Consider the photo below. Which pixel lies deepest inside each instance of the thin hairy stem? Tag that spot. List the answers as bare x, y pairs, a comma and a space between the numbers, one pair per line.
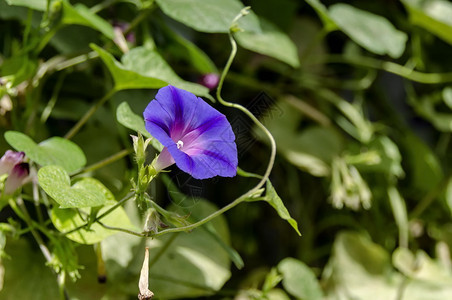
250, 115
258, 123
106, 161
88, 114
119, 203
403, 71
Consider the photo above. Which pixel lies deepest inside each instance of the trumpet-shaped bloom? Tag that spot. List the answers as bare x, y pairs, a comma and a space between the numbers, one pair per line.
195, 136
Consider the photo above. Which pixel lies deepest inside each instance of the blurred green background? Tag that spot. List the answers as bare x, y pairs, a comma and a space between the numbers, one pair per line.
357, 95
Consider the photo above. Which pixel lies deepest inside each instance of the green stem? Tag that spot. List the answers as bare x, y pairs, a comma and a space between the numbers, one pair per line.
408, 73
163, 249
121, 229
251, 116
119, 203
76, 60
51, 104
21, 210
258, 123
106, 161
429, 198
89, 113
102, 5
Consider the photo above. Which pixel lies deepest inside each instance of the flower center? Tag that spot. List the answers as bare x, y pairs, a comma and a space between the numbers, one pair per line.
179, 144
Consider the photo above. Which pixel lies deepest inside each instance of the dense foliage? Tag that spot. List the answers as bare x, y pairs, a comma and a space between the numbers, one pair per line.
356, 95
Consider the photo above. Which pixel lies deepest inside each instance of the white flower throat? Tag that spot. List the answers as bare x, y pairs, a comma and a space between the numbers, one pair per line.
179, 144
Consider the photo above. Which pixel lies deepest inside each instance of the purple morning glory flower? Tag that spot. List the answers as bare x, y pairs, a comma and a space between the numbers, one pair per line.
195, 136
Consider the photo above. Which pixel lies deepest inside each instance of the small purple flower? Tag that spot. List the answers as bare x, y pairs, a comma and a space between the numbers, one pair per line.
209, 80
16, 178
195, 136
9, 160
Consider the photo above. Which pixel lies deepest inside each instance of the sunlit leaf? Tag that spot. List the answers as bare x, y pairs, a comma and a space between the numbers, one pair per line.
53, 151
299, 280
86, 192
270, 41
373, 32
432, 15
359, 269
129, 119
195, 264
144, 68
321, 10
39, 5
208, 15
81, 15
66, 220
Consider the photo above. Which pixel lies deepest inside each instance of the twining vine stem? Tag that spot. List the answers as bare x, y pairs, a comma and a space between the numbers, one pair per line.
254, 119
222, 210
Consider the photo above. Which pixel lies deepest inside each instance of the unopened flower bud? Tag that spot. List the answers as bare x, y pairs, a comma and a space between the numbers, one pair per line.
9, 160
209, 80
16, 178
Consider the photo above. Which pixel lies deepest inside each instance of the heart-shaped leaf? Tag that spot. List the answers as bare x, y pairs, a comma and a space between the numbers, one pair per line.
373, 32
66, 220
143, 68
129, 119
53, 151
271, 41
87, 192
208, 15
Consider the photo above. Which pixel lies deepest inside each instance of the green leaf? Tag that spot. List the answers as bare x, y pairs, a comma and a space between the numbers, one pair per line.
149, 63
276, 202
184, 48
208, 15
87, 192
184, 202
17, 69
387, 157
421, 267
270, 41
195, 264
311, 150
299, 280
125, 78
399, 211
26, 274
129, 119
66, 220
426, 172
40, 5
433, 15
81, 15
359, 269
373, 32
144, 68
321, 10
53, 151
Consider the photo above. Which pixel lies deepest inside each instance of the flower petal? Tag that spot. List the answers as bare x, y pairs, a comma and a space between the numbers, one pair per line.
218, 158
198, 137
